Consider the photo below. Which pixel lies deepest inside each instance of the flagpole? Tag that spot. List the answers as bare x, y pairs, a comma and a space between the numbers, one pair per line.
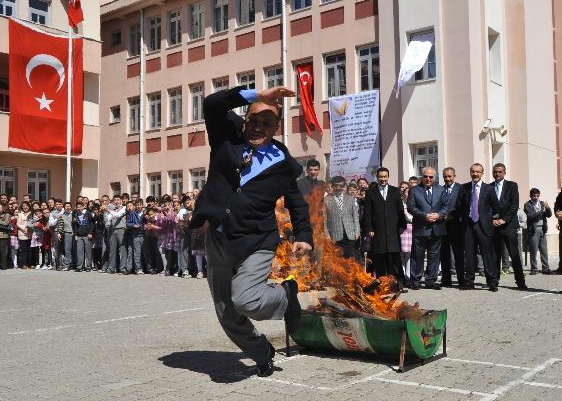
285, 72
69, 124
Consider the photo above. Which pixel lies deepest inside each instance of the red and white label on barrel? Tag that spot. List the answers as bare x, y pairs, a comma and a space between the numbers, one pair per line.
346, 334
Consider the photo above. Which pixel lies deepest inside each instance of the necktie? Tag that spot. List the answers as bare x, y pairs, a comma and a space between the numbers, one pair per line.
340, 202
498, 190
384, 192
448, 189
246, 160
474, 206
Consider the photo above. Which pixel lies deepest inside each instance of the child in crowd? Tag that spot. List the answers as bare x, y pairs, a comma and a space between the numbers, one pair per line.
14, 243
150, 244
36, 225
135, 236
46, 255
97, 239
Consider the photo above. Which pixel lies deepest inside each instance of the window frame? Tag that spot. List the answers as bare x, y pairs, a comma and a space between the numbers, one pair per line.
337, 79
250, 84
423, 74
154, 26
8, 4
154, 110
175, 178
216, 87
276, 6
116, 35
245, 12
155, 184
134, 187
200, 8
195, 176
302, 4
134, 115
197, 96
174, 22
369, 59
134, 47
113, 119
276, 79
175, 95
40, 13
4, 179
37, 181
431, 155
220, 22
115, 188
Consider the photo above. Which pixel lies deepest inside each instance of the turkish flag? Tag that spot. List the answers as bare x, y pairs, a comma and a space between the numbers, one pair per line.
75, 15
38, 64
304, 74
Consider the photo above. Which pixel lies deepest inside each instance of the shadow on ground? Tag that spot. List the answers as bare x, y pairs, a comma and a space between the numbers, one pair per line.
221, 367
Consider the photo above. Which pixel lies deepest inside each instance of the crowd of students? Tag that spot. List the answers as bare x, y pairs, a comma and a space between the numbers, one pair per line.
121, 235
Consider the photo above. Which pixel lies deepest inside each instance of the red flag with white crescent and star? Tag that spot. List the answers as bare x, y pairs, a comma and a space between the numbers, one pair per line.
75, 14
38, 63
304, 74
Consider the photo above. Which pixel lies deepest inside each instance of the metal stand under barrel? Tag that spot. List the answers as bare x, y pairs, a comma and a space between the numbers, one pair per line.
290, 350
404, 367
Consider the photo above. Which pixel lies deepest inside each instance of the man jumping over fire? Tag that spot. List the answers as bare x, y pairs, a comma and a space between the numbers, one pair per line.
248, 172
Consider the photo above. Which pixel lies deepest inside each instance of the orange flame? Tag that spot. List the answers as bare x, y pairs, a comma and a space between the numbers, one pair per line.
326, 267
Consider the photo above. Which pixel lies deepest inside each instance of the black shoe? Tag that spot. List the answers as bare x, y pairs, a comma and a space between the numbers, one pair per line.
266, 369
466, 287
293, 312
153, 272
447, 284
546, 271
493, 288
415, 286
533, 272
557, 271
78, 271
433, 286
522, 287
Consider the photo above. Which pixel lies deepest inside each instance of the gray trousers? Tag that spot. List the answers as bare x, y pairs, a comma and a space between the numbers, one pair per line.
67, 260
240, 291
117, 244
183, 254
537, 241
105, 249
134, 249
83, 253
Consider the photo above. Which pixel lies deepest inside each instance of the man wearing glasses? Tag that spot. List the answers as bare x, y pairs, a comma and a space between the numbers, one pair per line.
477, 204
427, 203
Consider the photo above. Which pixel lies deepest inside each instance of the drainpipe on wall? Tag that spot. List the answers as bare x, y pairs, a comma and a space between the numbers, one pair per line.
141, 109
285, 71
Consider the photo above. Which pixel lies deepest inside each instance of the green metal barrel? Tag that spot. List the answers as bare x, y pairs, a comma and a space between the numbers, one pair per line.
383, 337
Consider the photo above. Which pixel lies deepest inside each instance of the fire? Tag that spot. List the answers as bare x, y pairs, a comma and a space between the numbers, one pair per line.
352, 291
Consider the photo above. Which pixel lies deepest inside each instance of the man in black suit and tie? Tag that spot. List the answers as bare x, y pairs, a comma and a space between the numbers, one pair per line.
427, 203
248, 172
506, 223
453, 242
476, 205
384, 219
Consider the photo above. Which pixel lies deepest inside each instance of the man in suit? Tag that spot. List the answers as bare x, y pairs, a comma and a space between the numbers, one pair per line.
558, 214
311, 181
453, 242
384, 220
427, 203
537, 213
341, 218
476, 205
506, 223
248, 172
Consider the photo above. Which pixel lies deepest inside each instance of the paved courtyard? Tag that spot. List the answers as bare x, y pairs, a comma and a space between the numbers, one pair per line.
88, 336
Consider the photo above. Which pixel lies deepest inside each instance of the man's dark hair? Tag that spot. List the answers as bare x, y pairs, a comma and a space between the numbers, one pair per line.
450, 168
534, 191
382, 169
499, 165
278, 107
338, 179
413, 178
125, 195
58, 200
151, 199
139, 201
117, 196
166, 198
67, 203
312, 163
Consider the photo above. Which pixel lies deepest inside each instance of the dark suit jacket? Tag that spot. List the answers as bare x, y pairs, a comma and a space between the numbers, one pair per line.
453, 223
488, 206
306, 185
247, 213
385, 218
533, 217
509, 204
419, 205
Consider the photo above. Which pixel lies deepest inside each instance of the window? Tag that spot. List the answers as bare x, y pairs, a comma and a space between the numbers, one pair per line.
425, 155
134, 115
174, 25
7, 181
175, 97
328, 177
155, 110
335, 75
154, 34
115, 115
7, 7
494, 56
198, 178
369, 68
248, 81
134, 184
246, 12
220, 15
220, 84
155, 184
134, 40
176, 182
38, 184
429, 69
116, 38
273, 77
197, 96
197, 13
38, 11
272, 8
4, 95
298, 4
115, 188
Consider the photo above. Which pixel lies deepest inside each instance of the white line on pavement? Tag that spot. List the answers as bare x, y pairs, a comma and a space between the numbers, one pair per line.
431, 387
546, 385
120, 318
553, 290
42, 329
181, 311
500, 365
267, 379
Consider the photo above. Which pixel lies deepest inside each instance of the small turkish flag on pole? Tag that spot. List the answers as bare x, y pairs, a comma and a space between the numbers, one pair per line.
75, 15
38, 64
304, 73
